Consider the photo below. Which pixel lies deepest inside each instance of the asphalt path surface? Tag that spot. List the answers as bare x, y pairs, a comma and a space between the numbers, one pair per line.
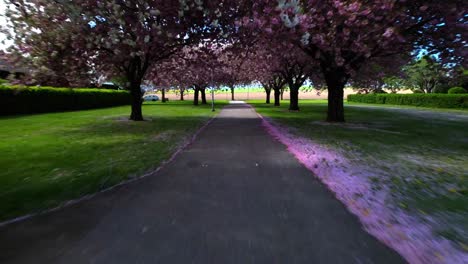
235, 195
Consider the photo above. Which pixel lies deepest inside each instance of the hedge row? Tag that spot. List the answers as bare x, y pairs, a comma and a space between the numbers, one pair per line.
30, 100
425, 100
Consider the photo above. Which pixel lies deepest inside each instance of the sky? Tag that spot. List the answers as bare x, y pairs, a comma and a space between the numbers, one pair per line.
3, 7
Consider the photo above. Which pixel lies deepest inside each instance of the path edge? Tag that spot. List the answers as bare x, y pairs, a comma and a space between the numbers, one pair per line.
417, 253
188, 141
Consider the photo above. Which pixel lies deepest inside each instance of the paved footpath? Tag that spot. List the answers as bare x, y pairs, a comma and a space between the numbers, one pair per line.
234, 196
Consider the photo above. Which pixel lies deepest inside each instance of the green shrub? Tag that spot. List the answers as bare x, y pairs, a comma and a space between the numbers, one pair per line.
418, 92
441, 89
30, 100
457, 90
379, 91
424, 100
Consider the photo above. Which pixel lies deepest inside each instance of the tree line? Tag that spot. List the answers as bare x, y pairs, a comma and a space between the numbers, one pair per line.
197, 43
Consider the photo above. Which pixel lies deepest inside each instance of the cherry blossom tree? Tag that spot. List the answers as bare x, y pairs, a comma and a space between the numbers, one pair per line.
231, 73
274, 83
268, 64
259, 65
342, 36
295, 73
333, 38
378, 74
50, 60
115, 37
195, 66
290, 67
270, 77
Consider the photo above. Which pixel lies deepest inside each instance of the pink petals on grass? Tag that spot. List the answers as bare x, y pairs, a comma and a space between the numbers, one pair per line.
351, 184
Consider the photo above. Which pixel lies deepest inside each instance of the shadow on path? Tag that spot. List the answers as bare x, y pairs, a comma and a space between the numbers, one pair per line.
234, 196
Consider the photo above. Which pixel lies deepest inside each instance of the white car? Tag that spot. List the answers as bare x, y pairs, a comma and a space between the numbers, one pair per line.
151, 97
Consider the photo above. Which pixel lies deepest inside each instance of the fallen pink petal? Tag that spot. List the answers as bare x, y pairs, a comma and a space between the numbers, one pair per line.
412, 238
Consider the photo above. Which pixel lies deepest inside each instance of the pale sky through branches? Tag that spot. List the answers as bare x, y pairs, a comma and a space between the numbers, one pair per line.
3, 22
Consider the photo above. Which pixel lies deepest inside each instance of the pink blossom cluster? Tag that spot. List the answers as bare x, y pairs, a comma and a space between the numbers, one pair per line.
326, 41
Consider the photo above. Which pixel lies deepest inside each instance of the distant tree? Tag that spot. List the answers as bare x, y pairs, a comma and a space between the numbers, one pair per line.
277, 83
234, 68
121, 81
279, 68
425, 74
380, 74
455, 76
393, 83
459, 77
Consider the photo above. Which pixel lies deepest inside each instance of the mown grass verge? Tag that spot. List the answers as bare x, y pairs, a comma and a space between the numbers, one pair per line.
51, 158
419, 154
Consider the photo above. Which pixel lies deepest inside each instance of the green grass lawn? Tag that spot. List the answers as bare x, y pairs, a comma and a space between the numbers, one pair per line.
421, 154
50, 158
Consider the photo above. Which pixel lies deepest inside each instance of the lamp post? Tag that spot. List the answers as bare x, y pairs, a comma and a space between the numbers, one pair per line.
212, 90
212, 99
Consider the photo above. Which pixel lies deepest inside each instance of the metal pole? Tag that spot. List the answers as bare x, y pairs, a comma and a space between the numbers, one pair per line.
212, 99
212, 92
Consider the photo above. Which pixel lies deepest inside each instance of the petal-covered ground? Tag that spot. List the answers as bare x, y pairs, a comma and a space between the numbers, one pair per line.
351, 182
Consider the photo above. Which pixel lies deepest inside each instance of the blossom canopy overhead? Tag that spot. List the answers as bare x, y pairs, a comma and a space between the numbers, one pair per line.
328, 41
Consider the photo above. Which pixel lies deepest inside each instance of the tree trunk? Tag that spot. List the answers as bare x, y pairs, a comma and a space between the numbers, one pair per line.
277, 93
203, 96
137, 101
163, 95
281, 93
195, 96
268, 92
336, 81
335, 104
293, 98
135, 74
182, 95
232, 93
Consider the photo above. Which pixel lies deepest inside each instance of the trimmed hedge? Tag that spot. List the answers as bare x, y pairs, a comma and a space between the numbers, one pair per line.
456, 90
425, 100
30, 100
